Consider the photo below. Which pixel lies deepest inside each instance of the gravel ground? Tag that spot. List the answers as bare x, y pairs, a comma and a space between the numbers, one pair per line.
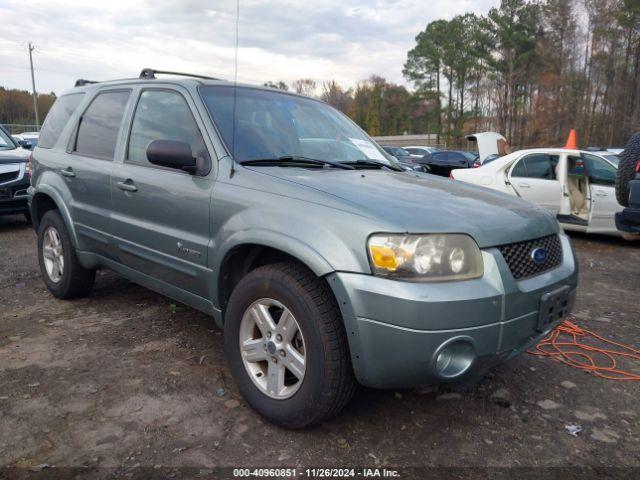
125, 380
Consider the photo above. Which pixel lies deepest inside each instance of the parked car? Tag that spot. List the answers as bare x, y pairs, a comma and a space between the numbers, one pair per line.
575, 185
420, 151
441, 163
27, 140
628, 187
14, 176
405, 158
277, 215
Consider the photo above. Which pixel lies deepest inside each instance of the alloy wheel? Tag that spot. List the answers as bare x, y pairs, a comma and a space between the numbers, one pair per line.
272, 348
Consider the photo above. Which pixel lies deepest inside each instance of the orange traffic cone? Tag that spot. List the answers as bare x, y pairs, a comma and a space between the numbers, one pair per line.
572, 141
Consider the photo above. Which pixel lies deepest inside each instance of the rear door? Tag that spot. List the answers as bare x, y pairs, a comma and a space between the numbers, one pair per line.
533, 177
161, 215
87, 168
604, 205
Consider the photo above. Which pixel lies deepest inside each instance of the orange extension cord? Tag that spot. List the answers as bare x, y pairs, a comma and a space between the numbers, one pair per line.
584, 356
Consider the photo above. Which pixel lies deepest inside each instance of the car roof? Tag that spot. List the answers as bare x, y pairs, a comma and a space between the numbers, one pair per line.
186, 81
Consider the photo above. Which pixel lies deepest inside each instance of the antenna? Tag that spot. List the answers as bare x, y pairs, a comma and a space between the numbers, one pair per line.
235, 91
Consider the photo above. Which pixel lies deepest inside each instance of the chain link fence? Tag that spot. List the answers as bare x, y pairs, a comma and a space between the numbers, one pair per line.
17, 128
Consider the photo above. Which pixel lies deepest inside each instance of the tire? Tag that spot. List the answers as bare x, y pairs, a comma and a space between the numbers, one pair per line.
629, 158
328, 382
74, 280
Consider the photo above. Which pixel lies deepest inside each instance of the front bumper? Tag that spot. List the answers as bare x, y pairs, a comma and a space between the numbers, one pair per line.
395, 328
13, 193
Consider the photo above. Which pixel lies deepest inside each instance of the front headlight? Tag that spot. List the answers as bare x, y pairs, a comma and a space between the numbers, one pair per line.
434, 257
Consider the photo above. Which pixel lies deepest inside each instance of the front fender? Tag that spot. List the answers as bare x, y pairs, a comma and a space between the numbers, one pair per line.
278, 240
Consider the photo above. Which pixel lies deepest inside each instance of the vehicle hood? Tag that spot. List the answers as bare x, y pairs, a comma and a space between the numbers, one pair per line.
17, 155
422, 203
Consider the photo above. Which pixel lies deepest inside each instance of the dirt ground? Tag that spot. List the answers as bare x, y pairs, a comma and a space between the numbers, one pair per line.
125, 380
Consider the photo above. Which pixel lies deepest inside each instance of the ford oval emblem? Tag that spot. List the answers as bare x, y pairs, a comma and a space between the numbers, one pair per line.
539, 255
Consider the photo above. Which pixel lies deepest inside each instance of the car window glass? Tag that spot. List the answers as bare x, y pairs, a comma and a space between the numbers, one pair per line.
100, 124
162, 115
57, 118
520, 170
261, 124
537, 165
600, 171
442, 156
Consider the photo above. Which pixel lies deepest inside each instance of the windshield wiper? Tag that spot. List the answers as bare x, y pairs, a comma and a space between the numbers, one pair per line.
369, 161
294, 160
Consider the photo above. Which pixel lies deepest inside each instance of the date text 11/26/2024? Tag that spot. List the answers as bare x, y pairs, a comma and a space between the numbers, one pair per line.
316, 472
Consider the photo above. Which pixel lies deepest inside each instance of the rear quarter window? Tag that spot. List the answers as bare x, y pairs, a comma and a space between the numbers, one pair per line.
57, 118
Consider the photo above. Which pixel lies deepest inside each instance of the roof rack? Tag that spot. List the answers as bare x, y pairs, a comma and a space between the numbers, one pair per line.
150, 73
81, 82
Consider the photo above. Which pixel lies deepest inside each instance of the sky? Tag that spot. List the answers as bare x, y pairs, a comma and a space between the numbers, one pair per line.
278, 39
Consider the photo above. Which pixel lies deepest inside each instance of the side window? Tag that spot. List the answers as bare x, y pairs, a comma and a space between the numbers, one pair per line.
600, 171
537, 165
520, 170
162, 115
440, 156
99, 125
57, 118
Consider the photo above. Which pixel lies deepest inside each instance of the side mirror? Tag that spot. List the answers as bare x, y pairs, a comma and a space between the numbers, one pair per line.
24, 144
172, 154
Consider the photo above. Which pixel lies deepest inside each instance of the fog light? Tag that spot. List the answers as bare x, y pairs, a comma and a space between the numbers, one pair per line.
454, 358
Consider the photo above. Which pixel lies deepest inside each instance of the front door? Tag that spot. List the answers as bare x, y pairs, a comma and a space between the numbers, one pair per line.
534, 178
604, 205
161, 215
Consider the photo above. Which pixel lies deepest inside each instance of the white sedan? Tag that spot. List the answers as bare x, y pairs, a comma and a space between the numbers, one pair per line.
576, 185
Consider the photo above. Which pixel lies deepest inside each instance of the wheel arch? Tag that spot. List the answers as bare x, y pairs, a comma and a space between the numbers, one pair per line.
45, 199
243, 255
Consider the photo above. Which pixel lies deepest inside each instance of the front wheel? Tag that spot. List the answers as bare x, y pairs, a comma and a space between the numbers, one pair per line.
286, 346
61, 271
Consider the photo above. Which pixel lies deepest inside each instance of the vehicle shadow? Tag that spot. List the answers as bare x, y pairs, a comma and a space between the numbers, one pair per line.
13, 222
630, 242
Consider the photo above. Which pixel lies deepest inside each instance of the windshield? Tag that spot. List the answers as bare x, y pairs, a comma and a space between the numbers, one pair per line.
272, 124
6, 143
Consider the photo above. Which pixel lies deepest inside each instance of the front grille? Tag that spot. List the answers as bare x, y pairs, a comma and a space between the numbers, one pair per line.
9, 176
519, 256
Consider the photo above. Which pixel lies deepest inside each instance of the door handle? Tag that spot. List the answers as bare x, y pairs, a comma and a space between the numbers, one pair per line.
68, 172
524, 185
600, 193
127, 186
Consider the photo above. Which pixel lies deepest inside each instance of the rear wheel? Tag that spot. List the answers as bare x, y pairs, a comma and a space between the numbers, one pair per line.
61, 271
286, 346
629, 158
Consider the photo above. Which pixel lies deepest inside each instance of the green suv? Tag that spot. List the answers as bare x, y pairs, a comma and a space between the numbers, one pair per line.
325, 263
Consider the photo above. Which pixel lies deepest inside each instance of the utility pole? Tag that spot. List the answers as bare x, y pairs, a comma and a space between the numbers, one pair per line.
33, 85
